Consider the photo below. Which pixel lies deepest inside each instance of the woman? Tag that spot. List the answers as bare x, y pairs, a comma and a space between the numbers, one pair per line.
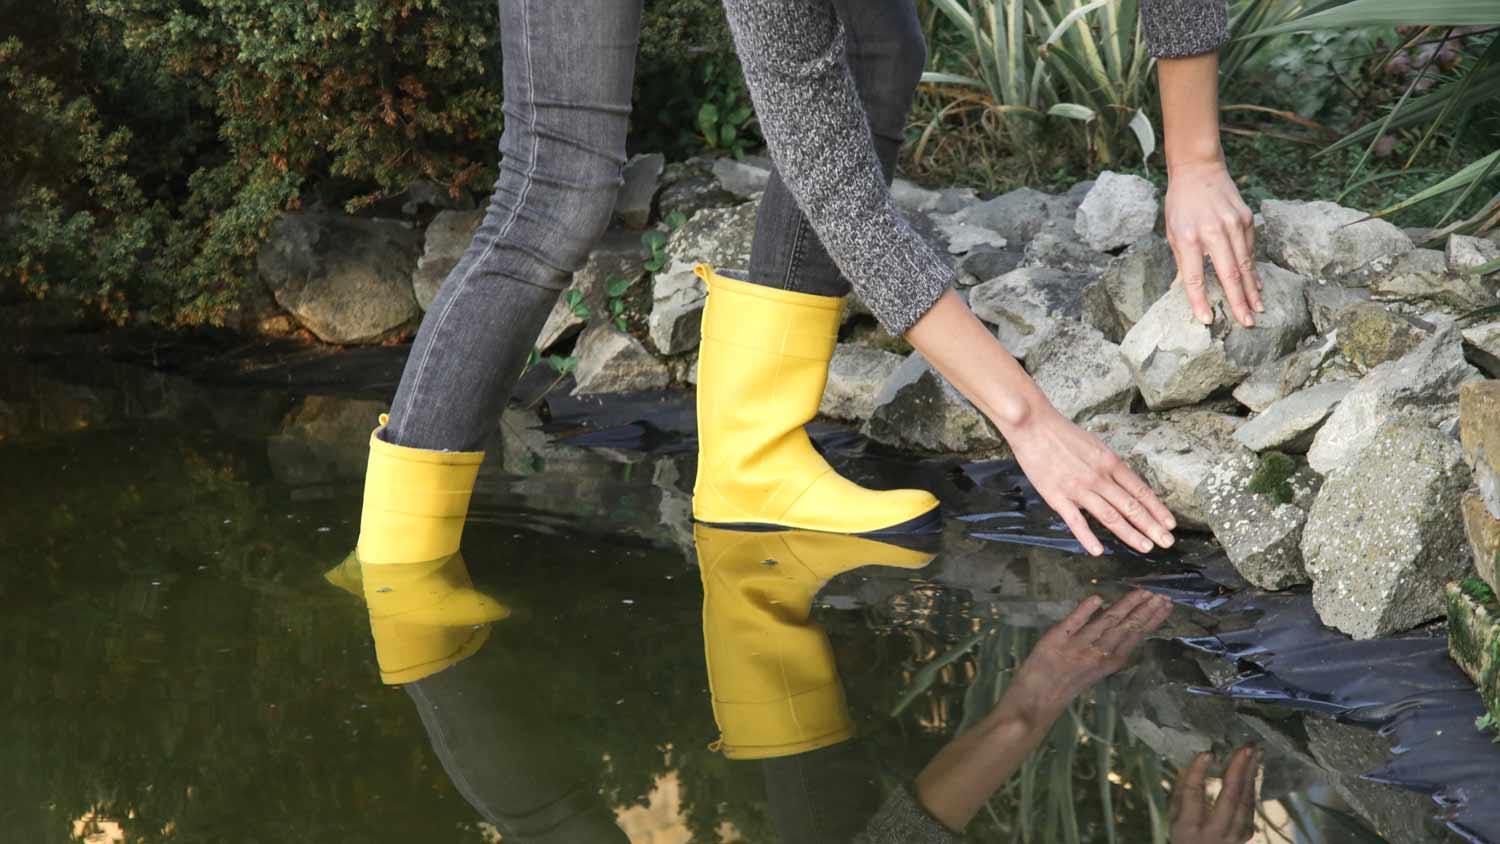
831, 81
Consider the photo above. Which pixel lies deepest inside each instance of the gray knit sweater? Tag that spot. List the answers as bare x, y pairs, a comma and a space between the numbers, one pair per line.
792, 52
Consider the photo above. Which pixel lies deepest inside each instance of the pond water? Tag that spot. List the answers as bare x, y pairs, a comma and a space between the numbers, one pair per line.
191, 658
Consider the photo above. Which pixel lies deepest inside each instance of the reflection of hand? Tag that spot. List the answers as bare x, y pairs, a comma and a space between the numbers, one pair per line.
1074, 472
1081, 651
1231, 818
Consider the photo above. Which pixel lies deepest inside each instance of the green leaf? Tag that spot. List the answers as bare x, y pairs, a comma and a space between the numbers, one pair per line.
654, 239
739, 116
616, 307
573, 297
951, 79
708, 119
1072, 111
582, 311
563, 365
615, 286
620, 323
1368, 13
675, 220
727, 135
1140, 124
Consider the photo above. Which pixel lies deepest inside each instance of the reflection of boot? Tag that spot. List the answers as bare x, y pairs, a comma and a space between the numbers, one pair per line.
762, 367
771, 672
424, 617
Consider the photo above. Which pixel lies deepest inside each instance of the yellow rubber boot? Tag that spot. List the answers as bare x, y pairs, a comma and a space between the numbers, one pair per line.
771, 673
762, 368
424, 617
415, 502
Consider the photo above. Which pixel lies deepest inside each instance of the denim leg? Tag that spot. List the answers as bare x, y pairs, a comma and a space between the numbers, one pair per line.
886, 50
568, 69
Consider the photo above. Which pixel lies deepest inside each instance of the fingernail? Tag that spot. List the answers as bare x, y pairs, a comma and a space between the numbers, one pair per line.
1260, 308
1171, 522
1164, 540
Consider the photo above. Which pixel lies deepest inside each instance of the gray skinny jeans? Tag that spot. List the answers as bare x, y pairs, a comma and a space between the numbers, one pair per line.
568, 72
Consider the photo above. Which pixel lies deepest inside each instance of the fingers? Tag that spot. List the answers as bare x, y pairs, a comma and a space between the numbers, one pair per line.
1079, 616
1142, 492
1244, 258
1190, 273
1135, 511
1114, 616
1122, 640
1228, 270
1188, 800
1073, 518
1232, 794
1244, 812
1113, 521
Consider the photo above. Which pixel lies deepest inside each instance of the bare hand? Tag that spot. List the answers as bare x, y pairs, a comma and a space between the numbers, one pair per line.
1080, 651
1231, 818
1074, 472
1205, 216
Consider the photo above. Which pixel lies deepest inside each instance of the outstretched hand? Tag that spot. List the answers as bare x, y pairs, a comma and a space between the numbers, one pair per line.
1231, 817
1076, 473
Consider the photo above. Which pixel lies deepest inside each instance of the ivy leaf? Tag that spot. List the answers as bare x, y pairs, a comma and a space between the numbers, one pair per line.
620, 322
675, 219
708, 119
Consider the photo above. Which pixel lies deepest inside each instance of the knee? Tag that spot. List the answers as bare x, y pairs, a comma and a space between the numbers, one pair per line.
555, 195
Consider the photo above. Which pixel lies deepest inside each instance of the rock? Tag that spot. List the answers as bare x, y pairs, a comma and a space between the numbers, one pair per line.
1323, 240
1326, 300
1263, 538
425, 193
985, 263
1421, 277
1474, 641
346, 279
917, 408
1176, 455
1099, 313
1016, 216
1177, 360
963, 237
1483, 532
444, 242
1060, 249
690, 186
1369, 335
641, 176
911, 197
1479, 431
1464, 253
1424, 383
1274, 380
1025, 305
1381, 539
1346, 754
1081, 372
718, 237
855, 376
616, 256
744, 178
1121, 431
1118, 210
1138, 277
611, 361
1289, 424
1482, 345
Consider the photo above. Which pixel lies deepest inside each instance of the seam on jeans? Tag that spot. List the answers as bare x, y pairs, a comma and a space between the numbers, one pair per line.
416, 387
795, 261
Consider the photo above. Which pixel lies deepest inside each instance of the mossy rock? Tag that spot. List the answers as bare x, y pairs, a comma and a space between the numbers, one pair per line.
1474, 638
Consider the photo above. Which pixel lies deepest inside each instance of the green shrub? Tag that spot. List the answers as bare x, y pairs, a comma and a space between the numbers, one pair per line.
690, 93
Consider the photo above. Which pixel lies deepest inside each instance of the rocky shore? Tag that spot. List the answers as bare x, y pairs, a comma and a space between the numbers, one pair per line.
1321, 446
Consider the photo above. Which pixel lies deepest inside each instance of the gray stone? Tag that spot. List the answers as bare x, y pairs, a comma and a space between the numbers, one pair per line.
642, 173
1098, 312
917, 408
611, 361
617, 255
1382, 539
1323, 240
444, 242
855, 376
1117, 211
1175, 455
1016, 216
1345, 754
1081, 372
346, 279
1424, 383
425, 193
1025, 305
1138, 277
1057, 247
986, 263
1421, 277
1482, 345
688, 187
1289, 424
1274, 380
744, 178
1261, 537
911, 197
1177, 360
718, 237
962, 236
1465, 253
1479, 431
1326, 300
1369, 335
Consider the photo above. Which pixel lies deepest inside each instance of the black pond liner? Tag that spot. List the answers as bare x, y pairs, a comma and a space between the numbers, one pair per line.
1404, 687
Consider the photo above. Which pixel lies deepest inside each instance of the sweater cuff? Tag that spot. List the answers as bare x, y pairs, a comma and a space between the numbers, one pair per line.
910, 294
1177, 28
900, 820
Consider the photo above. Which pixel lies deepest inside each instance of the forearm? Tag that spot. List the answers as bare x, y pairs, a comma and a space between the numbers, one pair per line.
1190, 111
968, 770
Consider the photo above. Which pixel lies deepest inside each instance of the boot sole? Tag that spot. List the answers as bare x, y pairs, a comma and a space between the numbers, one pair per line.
929, 523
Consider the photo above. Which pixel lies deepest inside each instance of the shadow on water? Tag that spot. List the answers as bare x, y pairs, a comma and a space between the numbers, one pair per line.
191, 656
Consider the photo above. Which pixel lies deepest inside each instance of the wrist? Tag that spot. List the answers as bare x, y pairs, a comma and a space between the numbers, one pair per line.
1196, 157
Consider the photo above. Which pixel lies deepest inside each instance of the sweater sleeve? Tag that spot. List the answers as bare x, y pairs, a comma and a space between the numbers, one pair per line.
901, 821
1176, 28
792, 52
